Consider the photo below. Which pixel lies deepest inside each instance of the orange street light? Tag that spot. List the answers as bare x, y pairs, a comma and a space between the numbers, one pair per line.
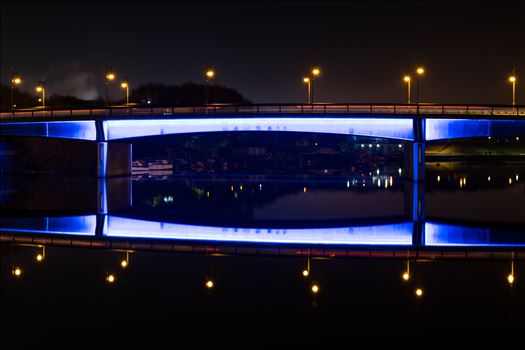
407, 80
125, 85
512, 79
42, 89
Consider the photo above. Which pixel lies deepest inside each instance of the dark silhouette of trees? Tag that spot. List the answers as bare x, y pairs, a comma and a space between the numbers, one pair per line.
188, 94
66, 101
22, 99
151, 94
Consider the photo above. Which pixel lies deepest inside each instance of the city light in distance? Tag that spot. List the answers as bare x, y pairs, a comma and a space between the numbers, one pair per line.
209, 284
316, 71
39, 257
510, 278
419, 292
110, 76
306, 273
110, 278
315, 289
124, 263
420, 70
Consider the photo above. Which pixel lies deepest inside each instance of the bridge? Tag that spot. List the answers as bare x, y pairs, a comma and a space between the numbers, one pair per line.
416, 124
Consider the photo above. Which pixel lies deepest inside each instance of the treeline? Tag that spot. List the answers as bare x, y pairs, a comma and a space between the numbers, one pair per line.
153, 94
188, 94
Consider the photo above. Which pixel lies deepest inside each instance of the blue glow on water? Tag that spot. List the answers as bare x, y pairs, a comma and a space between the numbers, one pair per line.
437, 129
68, 225
438, 234
374, 127
391, 234
80, 130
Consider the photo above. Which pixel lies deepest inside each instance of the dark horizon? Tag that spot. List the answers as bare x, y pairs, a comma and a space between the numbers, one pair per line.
263, 49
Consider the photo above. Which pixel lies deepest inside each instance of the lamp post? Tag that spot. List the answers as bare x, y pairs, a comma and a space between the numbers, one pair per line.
15, 80
308, 82
208, 76
512, 79
110, 76
407, 80
125, 85
315, 73
42, 89
420, 71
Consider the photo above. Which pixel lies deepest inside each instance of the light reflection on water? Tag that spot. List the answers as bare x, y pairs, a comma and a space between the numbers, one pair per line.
460, 207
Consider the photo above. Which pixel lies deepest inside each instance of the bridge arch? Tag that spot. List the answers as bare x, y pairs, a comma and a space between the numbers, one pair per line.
391, 128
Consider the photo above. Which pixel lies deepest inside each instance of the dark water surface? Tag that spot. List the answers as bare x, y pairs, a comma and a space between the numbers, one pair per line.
463, 209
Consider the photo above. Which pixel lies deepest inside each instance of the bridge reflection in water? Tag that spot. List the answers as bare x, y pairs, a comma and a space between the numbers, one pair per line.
393, 235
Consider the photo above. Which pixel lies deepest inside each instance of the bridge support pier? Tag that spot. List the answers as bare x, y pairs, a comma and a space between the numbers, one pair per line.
415, 209
415, 162
415, 153
113, 159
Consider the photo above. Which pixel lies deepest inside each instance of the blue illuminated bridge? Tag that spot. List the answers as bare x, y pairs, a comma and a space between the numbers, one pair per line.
411, 236
416, 124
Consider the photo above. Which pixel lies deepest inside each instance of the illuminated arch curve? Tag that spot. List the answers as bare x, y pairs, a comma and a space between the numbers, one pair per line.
392, 128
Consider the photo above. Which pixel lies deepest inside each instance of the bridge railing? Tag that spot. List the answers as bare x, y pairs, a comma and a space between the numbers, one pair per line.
288, 109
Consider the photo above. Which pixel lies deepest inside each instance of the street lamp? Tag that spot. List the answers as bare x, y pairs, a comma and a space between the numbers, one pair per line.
15, 80
512, 79
407, 80
308, 82
110, 76
209, 75
315, 73
420, 71
40, 88
125, 85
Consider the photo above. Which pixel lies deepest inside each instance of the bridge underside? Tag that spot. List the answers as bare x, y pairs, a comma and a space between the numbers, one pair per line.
391, 128
114, 158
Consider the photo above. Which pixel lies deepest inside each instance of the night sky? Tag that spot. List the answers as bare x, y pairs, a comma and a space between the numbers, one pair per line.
263, 49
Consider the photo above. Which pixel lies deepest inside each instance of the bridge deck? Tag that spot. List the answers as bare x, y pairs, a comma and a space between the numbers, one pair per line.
393, 110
